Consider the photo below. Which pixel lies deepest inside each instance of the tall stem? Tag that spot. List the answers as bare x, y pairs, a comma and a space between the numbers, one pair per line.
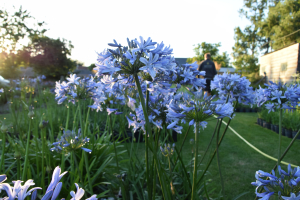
279, 145
218, 159
148, 132
113, 137
194, 186
88, 171
87, 120
66, 128
3, 150
26, 153
43, 159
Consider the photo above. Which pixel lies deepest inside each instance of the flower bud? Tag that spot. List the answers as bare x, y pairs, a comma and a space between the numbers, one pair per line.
17, 155
48, 169
4, 128
31, 114
43, 124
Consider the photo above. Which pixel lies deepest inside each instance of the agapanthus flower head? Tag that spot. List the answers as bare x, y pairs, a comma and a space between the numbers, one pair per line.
167, 150
234, 86
188, 74
195, 108
284, 186
76, 88
139, 56
70, 141
278, 95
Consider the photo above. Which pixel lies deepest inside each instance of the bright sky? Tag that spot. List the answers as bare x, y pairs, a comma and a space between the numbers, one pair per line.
90, 25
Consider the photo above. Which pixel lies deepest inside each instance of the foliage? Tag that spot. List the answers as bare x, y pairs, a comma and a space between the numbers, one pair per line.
50, 56
281, 24
273, 25
13, 29
91, 67
203, 48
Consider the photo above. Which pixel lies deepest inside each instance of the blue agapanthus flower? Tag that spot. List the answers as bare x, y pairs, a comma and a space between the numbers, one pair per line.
71, 141
75, 88
195, 109
234, 86
139, 56
280, 96
286, 186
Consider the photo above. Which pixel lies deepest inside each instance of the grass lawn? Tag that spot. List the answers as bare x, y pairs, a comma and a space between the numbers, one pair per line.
239, 162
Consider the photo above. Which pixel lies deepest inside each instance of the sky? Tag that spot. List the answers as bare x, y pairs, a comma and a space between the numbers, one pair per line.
90, 25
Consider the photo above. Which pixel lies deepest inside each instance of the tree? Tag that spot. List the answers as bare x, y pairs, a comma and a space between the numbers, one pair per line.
91, 67
250, 41
274, 24
50, 56
282, 25
14, 28
213, 49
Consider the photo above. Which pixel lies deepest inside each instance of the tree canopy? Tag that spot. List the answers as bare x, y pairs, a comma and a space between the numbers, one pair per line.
50, 56
46, 55
273, 25
213, 49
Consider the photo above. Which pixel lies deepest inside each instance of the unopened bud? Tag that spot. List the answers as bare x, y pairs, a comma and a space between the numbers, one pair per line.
17, 155
4, 128
31, 114
48, 169
43, 124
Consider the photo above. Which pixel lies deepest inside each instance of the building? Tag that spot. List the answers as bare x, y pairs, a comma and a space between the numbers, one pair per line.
83, 71
282, 64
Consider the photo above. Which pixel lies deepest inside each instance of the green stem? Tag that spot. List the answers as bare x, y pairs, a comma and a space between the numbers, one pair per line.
88, 172
18, 168
194, 186
171, 183
182, 143
87, 120
26, 153
113, 137
219, 143
43, 159
279, 145
180, 159
218, 159
151, 145
77, 166
148, 132
2, 154
216, 128
66, 128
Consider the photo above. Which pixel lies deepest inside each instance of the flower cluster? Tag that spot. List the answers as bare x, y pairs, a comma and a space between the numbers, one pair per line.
237, 87
167, 150
287, 186
138, 56
75, 88
195, 108
281, 96
108, 91
20, 191
71, 141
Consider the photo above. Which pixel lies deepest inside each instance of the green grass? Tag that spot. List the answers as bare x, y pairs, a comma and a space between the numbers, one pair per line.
239, 162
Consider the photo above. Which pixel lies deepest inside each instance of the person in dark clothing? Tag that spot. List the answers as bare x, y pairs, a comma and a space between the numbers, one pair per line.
209, 67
